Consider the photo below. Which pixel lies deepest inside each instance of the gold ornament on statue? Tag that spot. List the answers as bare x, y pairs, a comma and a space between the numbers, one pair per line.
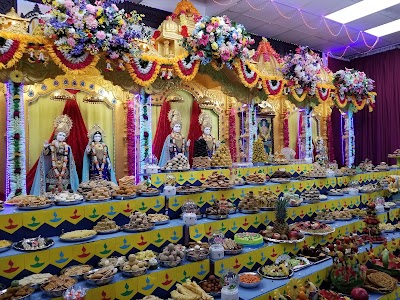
174, 116
62, 96
63, 124
94, 129
16, 76
94, 99
205, 120
174, 98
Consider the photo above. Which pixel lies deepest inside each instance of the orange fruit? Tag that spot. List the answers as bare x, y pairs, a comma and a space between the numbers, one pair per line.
302, 295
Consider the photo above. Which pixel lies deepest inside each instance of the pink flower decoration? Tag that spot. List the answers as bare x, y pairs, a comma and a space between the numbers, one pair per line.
71, 42
101, 35
114, 55
91, 22
209, 28
68, 4
91, 8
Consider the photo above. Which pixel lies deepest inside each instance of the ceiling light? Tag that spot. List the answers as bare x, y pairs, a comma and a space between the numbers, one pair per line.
385, 29
360, 9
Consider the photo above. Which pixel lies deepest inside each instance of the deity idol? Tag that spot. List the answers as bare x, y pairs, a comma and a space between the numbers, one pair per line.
96, 162
175, 143
56, 170
206, 126
322, 156
264, 131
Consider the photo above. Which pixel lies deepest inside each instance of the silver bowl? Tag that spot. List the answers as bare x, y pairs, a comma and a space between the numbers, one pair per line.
5, 248
250, 285
78, 276
55, 293
137, 273
99, 282
191, 254
167, 264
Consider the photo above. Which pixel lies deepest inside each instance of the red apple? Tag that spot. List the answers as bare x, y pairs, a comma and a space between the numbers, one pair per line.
276, 236
359, 294
292, 235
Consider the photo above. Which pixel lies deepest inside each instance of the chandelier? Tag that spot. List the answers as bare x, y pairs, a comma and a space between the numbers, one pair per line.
94, 99
62, 95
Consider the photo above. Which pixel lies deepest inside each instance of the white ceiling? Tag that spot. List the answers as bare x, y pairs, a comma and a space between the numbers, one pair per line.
263, 17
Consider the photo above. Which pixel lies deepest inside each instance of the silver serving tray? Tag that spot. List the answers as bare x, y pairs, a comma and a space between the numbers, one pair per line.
97, 200
133, 230
248, 211
281, 181
233, 252
161, 222
284, 241
127, 197
49, 242
326, 221
267, 208
219, 188
86, 238
152, 194
259, 271
109, 231
217, 217
200, 190
4, 249
19, 298
256, 183
34, 207
68, 203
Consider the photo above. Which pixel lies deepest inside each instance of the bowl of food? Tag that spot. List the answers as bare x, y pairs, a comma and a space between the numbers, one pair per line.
249, 280
76, 271
55, 286
101, 276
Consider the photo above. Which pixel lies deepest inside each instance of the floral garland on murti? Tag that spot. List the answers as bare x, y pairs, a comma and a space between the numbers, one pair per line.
323, 93
359, 105
340, 100
247, 73
145, 128
72, 64
187, 68
143, 75
15, 135
232, 134
11, 51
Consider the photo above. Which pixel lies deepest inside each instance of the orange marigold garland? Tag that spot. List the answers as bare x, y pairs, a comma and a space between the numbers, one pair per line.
187, 68
143, 72
247, 73
11, 52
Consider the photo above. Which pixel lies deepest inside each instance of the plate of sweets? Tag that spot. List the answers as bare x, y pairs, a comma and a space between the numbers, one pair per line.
16, 292
313, 228
138, 222
66, 198
147, 191
78, 235
33, 244
295, 263
276, 271
106, 226
33, 202
217, 182
231, 247
158, 219
313, 254
5, 245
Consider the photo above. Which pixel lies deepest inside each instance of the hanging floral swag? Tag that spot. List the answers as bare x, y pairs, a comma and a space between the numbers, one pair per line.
187, 68
247, 73
16, 171
11, 52
143, 72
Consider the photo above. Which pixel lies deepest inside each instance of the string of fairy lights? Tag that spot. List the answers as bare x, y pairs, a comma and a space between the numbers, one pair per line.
322, 22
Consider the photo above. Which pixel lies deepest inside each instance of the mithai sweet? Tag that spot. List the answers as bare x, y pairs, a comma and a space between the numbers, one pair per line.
281, 174
325, 215
97, 189
366, 165
201, 162
200, 148
17, 292
267, 199
248, 239
222, 157
318, 171
312, 227
105, 224
211, 285
172, 255
66, 196
177, 163
77, 270
153, 218
249, 202
311, 195
34, 279
216, 180
231, 245
236, 180
78, 234
138, 221
58, 283
259, 153
190, 291
217, 209
257, 178
134, 265
32, 201
126, 187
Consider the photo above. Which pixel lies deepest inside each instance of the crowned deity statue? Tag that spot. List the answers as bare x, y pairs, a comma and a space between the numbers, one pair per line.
264, 132
56, 170
321, 156
206, 127
96, 161
175, 142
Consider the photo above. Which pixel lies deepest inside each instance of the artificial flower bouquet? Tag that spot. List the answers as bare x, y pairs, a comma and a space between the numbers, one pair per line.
353, 83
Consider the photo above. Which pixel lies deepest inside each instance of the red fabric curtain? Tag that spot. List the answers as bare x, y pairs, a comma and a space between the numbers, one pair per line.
77, 139
194, 128
377, 132
163, 129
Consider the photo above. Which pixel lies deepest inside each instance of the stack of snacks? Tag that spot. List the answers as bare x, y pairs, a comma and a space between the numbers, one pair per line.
127, 187
177, 163
33, 201
236, 180
201, 160
105, 225
172, 255
138, 222
217, 181
259, 153
134, 267
249, 203
267, 200
257, 178
222, 157
311, 195
280, 159
97, 190
366, 166
217, 210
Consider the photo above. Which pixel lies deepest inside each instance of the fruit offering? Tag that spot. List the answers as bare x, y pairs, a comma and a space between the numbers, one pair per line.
249, 203
346, 245
222, 157
256, 178
259, 153
279, 270
138, 221
190, 290
280, 231
172, 255
217, 181
177, 163
371, 222
211, 285
313, 254
311, 195
106, 225
267, 199
312, 227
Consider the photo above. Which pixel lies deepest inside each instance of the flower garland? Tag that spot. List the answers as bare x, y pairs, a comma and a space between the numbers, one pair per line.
131, 138
323, 93
11, 52
331, 150
15, 136
247, 73
302, 68
286, 130
187, 68
94, 156
252, 130
145, 128
143, 72
69, 63
350, 155
308, 131
232, 134
353, 82
217, 38
59, 175
273, 87
340, 100
77, 26
359, 104
297, 98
